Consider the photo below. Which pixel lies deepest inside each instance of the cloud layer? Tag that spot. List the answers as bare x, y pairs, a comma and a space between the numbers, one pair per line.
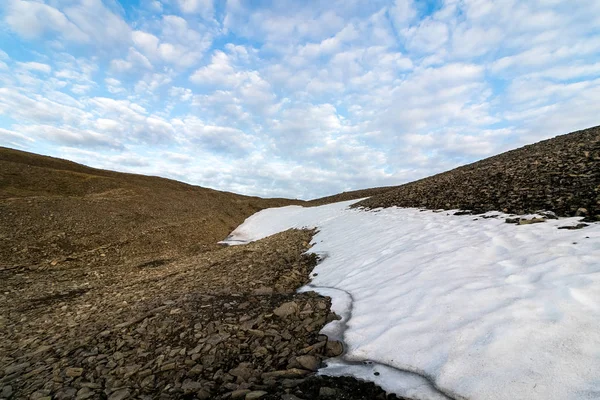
295, 99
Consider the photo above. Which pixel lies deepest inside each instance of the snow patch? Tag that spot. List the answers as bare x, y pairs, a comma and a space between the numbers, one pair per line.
454, 306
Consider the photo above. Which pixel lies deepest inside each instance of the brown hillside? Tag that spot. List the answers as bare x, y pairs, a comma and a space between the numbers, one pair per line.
52, 209
560, 174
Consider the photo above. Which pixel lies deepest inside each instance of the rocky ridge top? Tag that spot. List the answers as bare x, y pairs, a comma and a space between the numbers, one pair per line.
560, 174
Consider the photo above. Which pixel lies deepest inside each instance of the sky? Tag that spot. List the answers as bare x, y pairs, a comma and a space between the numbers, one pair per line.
298, 99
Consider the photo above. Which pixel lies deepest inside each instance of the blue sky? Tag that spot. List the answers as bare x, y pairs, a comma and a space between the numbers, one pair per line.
294, 98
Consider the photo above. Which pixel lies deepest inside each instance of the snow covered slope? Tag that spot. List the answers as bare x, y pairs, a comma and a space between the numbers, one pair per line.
443, 306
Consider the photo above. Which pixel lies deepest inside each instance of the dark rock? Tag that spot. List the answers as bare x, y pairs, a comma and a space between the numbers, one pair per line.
572, 227
327, 392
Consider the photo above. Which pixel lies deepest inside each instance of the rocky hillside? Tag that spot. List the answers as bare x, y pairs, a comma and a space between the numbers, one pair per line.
52, 209
112, 287
560, 174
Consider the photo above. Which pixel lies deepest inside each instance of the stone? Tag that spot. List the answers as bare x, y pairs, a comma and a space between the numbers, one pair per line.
240, 394
167, 367
66, 393
203, 394
290, 397
84, 393
241, 372
531, 221
11, 369
73, 372
334, 348
512, 220
581, 212
190, 386
286, 309
572, 227
547, 214
148, 382
256, 394
262, 291
121, 394
308, 362
287, 373
327, 392
6, 392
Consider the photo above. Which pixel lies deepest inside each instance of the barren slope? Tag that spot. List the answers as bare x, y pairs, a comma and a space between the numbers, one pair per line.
52, 209
560, 174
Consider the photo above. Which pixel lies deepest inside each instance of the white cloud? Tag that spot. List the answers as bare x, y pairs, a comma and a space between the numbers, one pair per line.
202, 7
35, 66
295, 98
69, 136
32, 19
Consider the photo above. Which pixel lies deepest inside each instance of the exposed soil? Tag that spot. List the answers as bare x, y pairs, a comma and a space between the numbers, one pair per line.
560, 174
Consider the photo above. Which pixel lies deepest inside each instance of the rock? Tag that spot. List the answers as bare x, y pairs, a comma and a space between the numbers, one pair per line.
572, 227
40, 395
262, 291
203, 394
239, 394
286, 309
6, 392
531, 221
148, 382
11, 369
290, 397
257, 394
121, 394
327, 392
167, 367
66, 393
581, 212
287, 373
242, 372
84, 393
308, 362
73, 372
333, 348
547, 214
190, 386
512, 220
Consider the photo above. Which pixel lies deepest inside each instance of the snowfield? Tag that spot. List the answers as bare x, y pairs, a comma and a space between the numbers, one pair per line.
438, 306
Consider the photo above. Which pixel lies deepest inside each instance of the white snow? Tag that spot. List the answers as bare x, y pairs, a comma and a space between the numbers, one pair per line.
475, 309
